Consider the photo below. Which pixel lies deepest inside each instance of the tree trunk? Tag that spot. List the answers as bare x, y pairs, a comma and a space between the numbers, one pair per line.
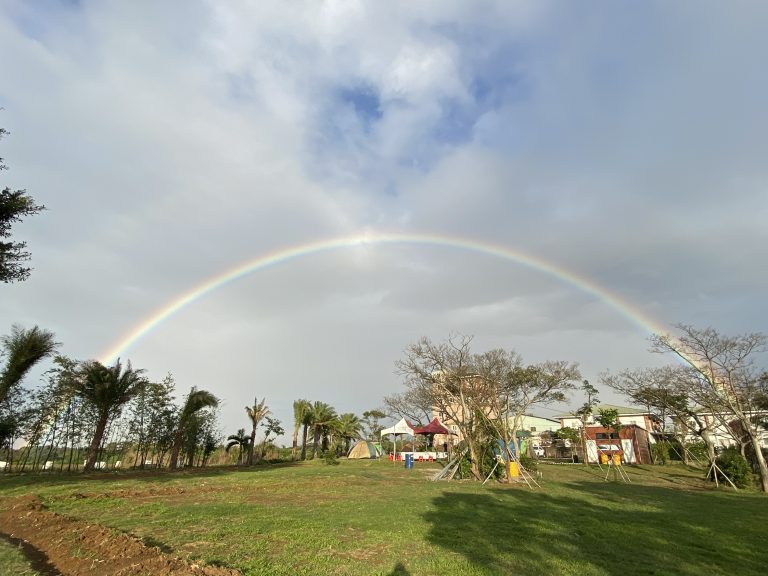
761, 464
706, 435
174, 461
93, 449
315, 441
681, 440
252, 446
505, 437
304, 442
473, 462
474, 466
295, 444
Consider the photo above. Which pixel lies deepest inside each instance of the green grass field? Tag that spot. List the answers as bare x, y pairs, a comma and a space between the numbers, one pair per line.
12, 560
369, 517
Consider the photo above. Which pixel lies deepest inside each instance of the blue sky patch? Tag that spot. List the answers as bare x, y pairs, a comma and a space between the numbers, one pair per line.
365, 101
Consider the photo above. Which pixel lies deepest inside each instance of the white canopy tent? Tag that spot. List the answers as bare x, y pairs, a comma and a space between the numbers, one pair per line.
402, 427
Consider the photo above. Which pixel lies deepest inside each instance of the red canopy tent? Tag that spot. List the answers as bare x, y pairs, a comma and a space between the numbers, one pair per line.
434, 427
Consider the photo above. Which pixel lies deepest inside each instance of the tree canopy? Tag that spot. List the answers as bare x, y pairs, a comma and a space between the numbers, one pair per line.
21, 350
15, 205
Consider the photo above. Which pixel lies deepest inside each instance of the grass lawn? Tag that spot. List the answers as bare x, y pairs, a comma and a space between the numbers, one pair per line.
369, 517
13, 561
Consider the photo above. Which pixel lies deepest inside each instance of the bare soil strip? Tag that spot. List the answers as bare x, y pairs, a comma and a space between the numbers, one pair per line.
77, 548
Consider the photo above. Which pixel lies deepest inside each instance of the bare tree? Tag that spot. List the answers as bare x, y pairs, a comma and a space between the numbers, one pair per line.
723, 377
484, 395
669, 391
512, 390
443, 375
415, 405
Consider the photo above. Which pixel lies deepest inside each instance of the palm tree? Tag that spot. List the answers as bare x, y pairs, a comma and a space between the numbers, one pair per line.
300, 409
241, 441
196, 401
348, 428
306, 422
323, 415
23, 349
107, 389
256, 413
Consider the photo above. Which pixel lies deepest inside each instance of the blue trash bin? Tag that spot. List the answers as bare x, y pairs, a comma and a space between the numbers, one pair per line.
409, 461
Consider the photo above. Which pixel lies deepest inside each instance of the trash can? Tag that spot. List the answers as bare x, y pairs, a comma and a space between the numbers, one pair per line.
409, 461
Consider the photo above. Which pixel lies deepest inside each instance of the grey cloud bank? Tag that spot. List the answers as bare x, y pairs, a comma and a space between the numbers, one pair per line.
172, 143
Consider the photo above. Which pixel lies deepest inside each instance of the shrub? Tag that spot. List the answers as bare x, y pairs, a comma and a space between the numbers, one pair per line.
675, 450
530, 464
465, 467
330, 457
697, 450
735, 466
660, 452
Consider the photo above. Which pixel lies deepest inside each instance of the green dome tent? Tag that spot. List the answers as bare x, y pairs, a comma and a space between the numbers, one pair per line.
363, 449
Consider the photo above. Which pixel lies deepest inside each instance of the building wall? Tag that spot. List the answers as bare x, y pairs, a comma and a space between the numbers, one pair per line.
536, 425
640, 420
638, 436
721, 435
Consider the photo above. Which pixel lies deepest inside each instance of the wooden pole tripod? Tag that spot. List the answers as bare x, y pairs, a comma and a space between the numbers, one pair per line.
618, 468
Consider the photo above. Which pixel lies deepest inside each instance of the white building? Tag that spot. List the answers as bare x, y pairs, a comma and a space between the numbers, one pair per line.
536, 425
627, 416
724, 429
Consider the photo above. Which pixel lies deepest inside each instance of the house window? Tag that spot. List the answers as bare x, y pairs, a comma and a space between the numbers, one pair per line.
533, 428
454, 427
601, 436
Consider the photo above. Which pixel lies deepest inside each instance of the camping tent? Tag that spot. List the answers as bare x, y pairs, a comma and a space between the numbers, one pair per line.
402, 427
363, 449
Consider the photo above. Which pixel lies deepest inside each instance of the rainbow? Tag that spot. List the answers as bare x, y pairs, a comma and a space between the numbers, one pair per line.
624, 308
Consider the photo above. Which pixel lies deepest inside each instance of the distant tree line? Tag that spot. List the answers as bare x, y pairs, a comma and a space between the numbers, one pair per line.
88, 416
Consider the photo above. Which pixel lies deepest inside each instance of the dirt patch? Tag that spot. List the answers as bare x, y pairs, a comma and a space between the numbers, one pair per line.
148, 494
75, 548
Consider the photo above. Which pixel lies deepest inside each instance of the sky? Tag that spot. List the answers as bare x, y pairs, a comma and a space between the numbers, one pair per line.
612, 153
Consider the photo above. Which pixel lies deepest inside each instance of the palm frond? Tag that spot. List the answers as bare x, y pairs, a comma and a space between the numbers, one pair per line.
258, 411
23, 349
108, 387
196, 401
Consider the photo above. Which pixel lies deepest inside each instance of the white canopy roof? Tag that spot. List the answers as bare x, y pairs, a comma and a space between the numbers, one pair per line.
401, 427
